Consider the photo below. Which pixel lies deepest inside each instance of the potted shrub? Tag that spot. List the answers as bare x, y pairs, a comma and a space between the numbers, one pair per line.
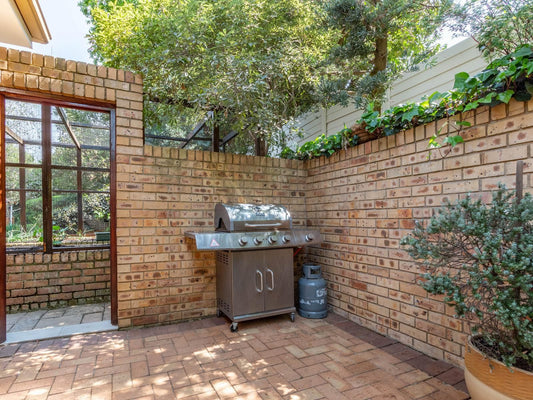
480, 257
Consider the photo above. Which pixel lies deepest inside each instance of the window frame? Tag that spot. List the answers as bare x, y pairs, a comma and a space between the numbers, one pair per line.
46, 103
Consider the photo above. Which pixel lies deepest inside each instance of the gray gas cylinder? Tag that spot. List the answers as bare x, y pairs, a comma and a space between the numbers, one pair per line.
312, 293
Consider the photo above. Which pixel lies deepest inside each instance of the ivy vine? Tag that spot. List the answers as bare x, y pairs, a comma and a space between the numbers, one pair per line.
508, 77
323, 145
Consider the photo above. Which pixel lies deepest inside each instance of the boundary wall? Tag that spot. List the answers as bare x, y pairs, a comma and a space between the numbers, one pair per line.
365, 199
165, 193
411, 87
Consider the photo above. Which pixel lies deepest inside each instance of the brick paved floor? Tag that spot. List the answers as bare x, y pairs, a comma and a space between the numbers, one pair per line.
266, 359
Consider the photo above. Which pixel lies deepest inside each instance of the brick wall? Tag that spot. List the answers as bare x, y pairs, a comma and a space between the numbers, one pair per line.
77, 81
23, 72
165, 192
363, 199
40, 281
366, 199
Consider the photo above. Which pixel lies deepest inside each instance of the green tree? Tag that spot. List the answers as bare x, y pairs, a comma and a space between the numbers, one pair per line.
498, 26
381, 39
252, 62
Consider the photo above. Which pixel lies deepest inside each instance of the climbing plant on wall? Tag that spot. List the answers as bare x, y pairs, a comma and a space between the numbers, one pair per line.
508, 77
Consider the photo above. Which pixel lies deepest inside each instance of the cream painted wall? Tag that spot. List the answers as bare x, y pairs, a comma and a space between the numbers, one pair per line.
463, 56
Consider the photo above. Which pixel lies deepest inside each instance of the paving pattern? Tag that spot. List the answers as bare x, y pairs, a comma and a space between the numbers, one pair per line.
270, 358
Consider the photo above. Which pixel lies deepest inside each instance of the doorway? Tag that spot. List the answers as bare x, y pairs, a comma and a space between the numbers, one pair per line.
58, 215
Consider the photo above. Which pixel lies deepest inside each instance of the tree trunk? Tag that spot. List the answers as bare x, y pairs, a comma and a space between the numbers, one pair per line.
380, 64
380, 55
215, 144
260, 147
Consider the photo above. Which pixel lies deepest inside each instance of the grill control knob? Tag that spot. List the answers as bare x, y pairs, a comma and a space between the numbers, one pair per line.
285, 238
243, 241
272, 239
258, 240
309, 237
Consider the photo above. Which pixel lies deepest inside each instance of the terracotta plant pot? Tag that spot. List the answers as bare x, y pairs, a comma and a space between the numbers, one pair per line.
487, 378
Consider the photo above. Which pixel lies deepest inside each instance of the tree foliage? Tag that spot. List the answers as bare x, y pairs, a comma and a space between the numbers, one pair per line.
381, 39
498, 26
253, 62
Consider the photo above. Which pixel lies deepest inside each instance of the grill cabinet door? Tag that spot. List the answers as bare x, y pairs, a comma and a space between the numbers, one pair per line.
279, 279
248, 283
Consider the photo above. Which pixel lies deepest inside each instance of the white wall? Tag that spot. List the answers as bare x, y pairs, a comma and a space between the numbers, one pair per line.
462, 57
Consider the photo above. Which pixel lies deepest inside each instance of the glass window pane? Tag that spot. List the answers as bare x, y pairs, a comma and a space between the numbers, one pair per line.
18, 234
15, 107
93, 137
12, 152
95, 181
64, 179
89, 127
33, 154
25, 130
95, 158
64, 215
34, 210
60, 134
12, 209
64, 156
12, 178
96, 212
33, 178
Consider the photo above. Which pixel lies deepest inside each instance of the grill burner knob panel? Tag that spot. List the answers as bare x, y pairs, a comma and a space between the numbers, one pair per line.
272, 239
248, 240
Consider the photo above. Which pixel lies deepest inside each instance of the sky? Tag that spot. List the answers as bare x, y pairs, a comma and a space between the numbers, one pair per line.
68, 27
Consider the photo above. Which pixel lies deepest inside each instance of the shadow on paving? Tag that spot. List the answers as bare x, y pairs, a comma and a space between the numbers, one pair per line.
272, 358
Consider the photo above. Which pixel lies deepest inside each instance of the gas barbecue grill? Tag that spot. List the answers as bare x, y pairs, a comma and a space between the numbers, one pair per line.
254, 259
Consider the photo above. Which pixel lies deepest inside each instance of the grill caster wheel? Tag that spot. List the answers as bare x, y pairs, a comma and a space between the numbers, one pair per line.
292, 317
234, 327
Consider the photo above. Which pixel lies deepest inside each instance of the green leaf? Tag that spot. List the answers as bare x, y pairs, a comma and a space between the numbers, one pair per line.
453, 140
463, 123
435, 96
506, 96
487, 99
471, 106
433, 142
460, 79
408, 116
523, 52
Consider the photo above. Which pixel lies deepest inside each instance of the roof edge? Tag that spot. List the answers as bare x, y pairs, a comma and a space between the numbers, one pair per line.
33, 17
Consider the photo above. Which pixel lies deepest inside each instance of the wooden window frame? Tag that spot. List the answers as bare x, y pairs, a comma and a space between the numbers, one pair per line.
47, 167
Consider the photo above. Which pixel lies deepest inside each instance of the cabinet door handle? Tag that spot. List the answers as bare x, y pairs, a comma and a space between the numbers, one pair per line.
259, 290
271, 288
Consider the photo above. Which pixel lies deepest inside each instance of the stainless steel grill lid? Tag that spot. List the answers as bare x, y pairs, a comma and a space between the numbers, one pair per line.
253, 227
247, 217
